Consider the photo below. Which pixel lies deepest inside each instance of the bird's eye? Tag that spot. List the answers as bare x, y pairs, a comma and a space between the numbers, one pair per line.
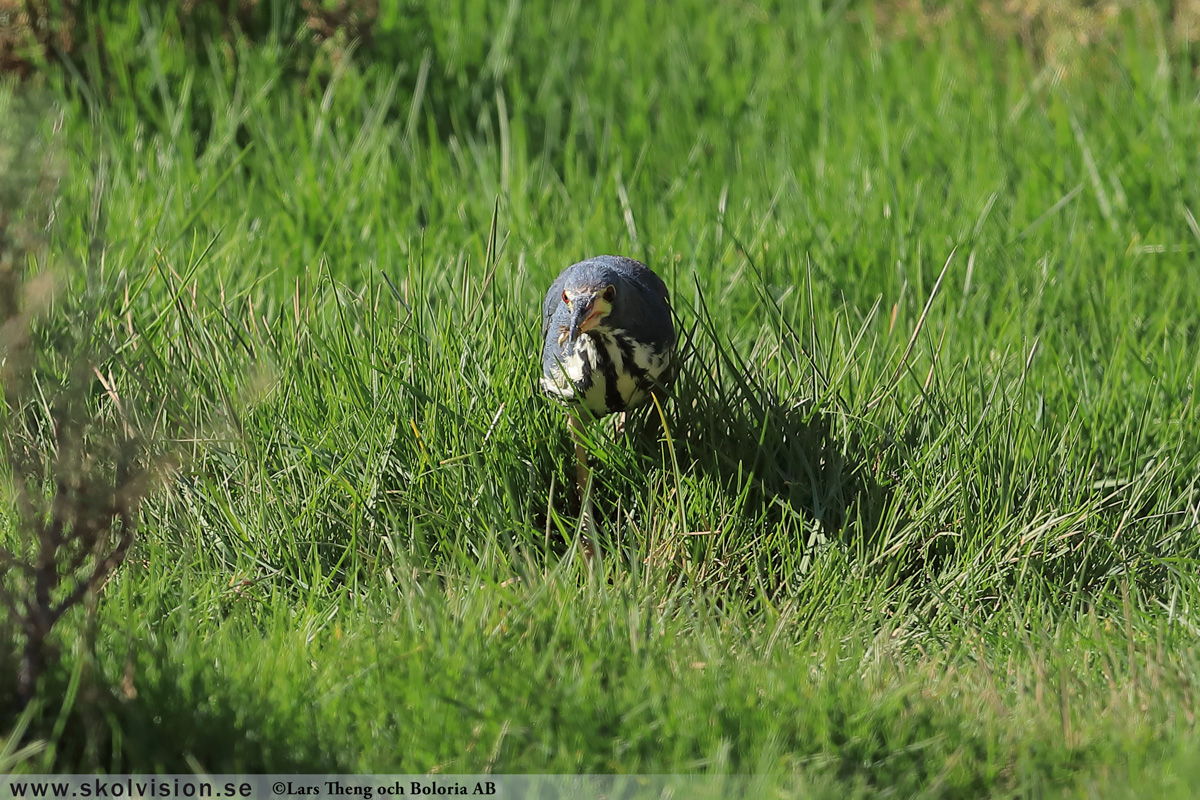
610, 294
566, 300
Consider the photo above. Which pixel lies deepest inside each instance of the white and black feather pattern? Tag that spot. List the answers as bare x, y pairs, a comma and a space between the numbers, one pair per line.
627, 356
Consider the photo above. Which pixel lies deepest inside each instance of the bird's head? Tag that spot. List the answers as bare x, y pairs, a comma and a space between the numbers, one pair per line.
589, 302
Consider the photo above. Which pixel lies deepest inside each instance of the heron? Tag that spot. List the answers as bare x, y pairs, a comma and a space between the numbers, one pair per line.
608, 346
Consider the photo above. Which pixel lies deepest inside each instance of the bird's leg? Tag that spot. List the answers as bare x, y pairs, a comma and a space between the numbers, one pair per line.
583, 481
619, 423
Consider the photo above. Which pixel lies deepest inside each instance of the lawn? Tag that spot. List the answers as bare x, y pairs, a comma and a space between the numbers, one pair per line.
925, 517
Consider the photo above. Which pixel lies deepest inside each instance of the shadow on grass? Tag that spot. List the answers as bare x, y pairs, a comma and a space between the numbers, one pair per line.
767, 477
783, 482
167, 717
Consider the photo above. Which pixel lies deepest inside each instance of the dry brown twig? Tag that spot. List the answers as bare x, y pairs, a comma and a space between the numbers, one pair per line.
79, 468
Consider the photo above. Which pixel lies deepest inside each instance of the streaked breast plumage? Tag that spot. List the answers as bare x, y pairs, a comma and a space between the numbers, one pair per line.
608, 340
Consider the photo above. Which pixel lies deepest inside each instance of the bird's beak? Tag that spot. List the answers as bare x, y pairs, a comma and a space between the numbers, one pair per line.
582, 311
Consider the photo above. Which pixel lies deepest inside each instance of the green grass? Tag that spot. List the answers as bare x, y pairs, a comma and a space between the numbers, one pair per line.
926, 543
